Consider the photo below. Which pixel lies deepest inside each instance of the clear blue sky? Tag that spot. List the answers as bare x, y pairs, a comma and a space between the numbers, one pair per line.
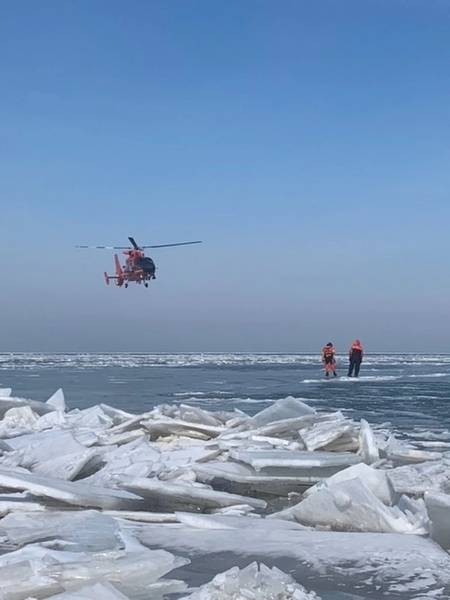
308, 144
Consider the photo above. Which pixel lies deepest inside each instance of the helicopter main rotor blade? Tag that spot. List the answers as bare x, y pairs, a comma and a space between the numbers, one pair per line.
133, 243
105, 247
170, 245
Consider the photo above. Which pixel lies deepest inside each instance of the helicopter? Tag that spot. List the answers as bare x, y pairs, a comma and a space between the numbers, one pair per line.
138, 267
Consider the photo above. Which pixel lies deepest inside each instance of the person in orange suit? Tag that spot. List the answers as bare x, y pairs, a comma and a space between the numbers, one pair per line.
356, 354
329, 359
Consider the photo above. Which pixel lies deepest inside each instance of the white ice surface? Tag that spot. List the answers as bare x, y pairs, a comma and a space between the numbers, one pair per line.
40, 408
415, 480
245, 477
254, 581
76, 530
375, 479
75, 493
324, 433
389, 558
172, 495
166, 426
136, 458
46, 445
350, 506
57, 401
97, 591
309, 466
438, 508
367, 444
285, 408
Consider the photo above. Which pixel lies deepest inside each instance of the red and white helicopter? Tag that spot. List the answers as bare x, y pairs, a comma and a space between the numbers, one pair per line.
138, 267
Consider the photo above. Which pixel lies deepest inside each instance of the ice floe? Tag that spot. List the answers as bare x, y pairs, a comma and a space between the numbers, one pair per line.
101, 503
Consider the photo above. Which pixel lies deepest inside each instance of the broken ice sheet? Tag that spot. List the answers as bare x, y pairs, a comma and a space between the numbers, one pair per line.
70, 492
135, 458
130, 572
308, 466
78, 530
285, 408
342, 556
367, 444
194, 414
40, 408
241, 478
46, 445
21, 581
401, 453
20, 502
166, 495
99, 591
321, 434
438, 508
166, 426
376, 480
57, 401
254, 581
350, 506
17, 421
415, 480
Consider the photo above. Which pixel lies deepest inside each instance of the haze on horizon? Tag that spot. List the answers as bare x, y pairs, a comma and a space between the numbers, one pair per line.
306, 143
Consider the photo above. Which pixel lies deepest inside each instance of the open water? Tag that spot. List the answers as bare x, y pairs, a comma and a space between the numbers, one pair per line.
404, 393
409, 391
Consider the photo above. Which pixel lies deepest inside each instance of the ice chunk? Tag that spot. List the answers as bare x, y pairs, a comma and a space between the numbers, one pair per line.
70, 492
182, 495
367, 444
45, 445
94, 418
193, 414
189, 455
135, 459
375, 479
40, 408
388, 558
57, 401
242, 478
438, 507
116, 414
401, 453
415, 480
20, 581
166, 426
347, 442
143, 516
322, 434
67, 466
220, 521
285, 408
308, 467
415, 511
17, 421
254, 581
99, 591
5, 392
50, 420
350, 506
10, 503
4, 447
87, 531
131, 573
